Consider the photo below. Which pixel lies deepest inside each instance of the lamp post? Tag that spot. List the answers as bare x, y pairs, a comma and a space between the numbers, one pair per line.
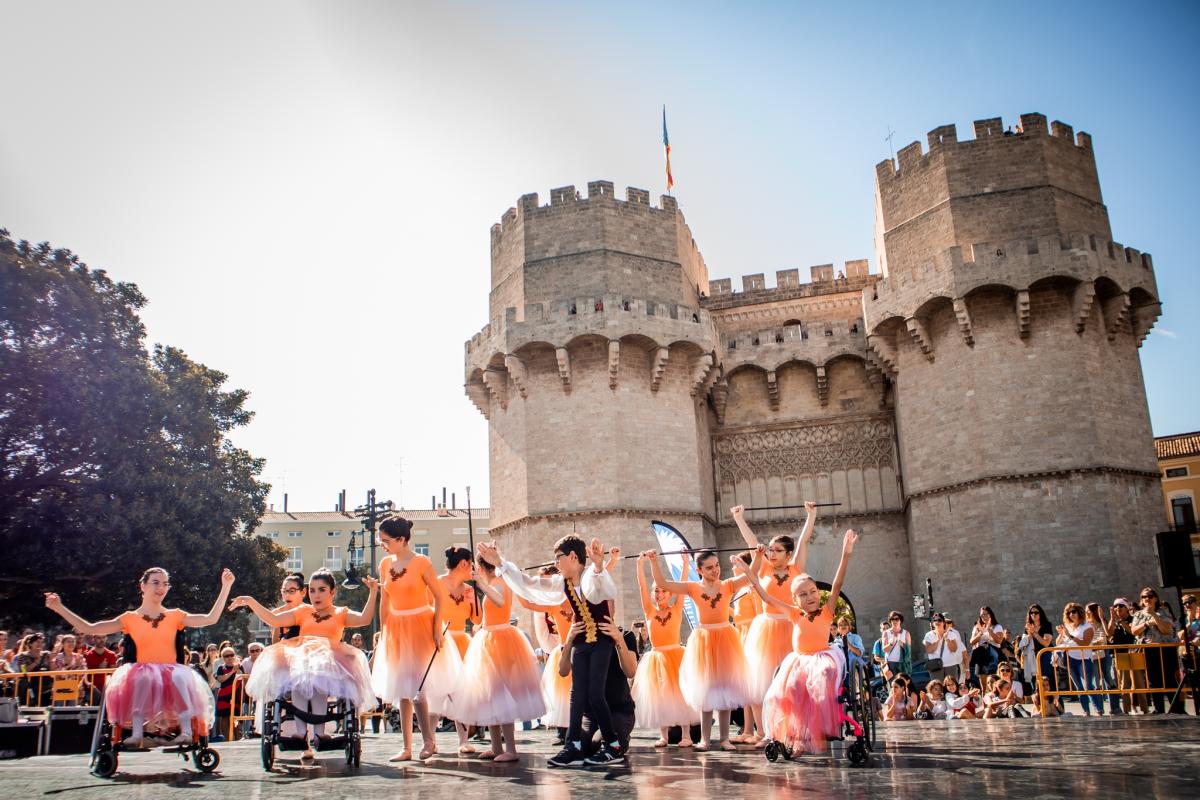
371, 515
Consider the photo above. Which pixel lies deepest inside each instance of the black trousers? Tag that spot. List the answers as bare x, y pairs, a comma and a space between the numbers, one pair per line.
1162, 668
624, 724
589, 673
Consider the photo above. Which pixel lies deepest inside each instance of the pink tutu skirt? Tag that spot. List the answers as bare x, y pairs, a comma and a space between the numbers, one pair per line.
656, 694
767, 644
313, 667
801, 707
500, 682
556, 691
713, 674
162, 695
405, 653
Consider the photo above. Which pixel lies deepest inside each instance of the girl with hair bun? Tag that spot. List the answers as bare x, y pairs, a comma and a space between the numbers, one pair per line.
658, 699
403, 674
316, 664
459, 605
500, 682
155, 696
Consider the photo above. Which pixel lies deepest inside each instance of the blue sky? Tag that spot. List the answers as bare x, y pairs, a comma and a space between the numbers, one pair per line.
304, 190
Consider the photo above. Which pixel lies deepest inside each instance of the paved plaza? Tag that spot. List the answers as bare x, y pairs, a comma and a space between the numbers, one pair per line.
1070, 757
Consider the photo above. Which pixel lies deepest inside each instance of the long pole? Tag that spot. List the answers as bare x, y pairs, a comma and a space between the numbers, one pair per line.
471, 540
780, 508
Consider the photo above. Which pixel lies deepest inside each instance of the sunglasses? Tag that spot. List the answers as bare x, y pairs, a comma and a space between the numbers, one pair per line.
895, 619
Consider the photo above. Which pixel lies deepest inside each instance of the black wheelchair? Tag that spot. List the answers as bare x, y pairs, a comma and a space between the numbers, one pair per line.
342, 713
858, 724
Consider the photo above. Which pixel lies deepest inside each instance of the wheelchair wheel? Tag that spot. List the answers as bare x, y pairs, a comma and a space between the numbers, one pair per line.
206, 759
267, 746
857, 753
772, 751
106, 764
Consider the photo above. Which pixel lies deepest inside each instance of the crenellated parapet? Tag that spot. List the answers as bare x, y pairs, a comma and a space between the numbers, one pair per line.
816, 343
1121, 277
853, 276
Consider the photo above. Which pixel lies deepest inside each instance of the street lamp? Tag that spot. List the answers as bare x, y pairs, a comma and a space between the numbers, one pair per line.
371, 515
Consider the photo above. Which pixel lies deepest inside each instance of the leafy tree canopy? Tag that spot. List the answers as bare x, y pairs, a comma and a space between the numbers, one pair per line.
113, 458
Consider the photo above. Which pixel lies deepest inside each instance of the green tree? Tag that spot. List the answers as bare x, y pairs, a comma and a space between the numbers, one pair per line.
113, 458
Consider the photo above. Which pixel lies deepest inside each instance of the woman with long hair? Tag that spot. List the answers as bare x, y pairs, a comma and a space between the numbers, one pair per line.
1075, 633
1154, 624
1039, 634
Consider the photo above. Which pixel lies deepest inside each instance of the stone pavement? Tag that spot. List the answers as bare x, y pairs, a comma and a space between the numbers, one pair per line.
1069, 757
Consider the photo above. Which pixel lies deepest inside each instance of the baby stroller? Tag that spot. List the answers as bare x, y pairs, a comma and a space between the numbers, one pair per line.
858, 726
107, 738
281, 710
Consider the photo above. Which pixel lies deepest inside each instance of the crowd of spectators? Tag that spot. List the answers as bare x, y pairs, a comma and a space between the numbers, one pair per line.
993, 671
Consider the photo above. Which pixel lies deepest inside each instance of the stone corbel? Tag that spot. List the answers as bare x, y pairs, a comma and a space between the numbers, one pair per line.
479, 396
920, 336
564, 366
520, 376
1023, 313
496, 381
658, 366
700, 370
614, 363
1081, 304
964, 321
720, 398
822, 386
773, 390
1116, 312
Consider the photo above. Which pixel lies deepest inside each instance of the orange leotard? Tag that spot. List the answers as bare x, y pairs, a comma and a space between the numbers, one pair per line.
330, 627
154, 637
664, 626
405, 587
713, 609
811, 636
778, 586
563, 616
457, 610
498, 615
746, 608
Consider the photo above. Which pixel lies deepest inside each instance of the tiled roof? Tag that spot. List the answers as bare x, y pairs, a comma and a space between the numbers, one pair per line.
1179, 445
347, 517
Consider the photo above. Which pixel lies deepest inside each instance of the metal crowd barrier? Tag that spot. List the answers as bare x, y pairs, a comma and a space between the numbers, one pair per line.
61, 687
1139, 672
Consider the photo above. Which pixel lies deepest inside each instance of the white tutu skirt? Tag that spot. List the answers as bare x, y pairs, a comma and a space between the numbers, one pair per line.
500, 682
312, 666
556, 691
657, 697
767, 644
801, 707
403, 656
162, 695
713, 674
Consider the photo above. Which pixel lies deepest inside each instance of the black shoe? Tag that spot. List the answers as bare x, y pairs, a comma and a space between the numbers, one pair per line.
569, 756
608, 755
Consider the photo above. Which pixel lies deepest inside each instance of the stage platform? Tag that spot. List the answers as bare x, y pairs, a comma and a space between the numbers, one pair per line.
1106, 758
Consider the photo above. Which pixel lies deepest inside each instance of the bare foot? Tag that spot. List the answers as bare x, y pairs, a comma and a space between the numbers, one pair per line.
702, 746
488, 755
728, 746
308, 755
403, 755
685, 743
506, 757
427, 752
760, 744
466, 750
660, 743
739, 739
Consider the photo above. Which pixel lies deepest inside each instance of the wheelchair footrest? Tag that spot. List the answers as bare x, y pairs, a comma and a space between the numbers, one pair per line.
293, 743
331, 743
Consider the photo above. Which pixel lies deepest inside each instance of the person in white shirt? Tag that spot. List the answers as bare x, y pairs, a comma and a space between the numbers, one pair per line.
897, 646
942, 643
1076, 632
986, 638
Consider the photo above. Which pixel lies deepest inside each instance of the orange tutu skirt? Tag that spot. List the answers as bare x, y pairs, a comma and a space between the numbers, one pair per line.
801, 708
657, 697
500, 682
406, 651
767, 645
463, 640
713, 674
556, 691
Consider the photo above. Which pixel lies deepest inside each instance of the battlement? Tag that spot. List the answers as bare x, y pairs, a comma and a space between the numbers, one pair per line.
1017, 265
816, 342
944, 139
566, 199
610, 315
824, 279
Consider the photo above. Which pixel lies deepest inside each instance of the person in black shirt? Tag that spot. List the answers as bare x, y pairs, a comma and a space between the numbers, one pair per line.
616, 686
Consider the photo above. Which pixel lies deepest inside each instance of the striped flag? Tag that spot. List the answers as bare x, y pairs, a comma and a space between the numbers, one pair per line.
667, 145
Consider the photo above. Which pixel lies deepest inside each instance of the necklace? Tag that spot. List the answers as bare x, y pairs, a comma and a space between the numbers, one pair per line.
154, 620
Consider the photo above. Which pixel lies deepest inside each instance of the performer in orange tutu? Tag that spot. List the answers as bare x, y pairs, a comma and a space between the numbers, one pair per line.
403, 674
713, 674
801, 707
157, 696
459, 605
657, 698
746, 606
769, 639
294, 593
316, 664
499, 683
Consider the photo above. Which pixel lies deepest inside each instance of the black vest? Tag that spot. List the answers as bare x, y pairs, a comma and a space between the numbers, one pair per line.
591, 613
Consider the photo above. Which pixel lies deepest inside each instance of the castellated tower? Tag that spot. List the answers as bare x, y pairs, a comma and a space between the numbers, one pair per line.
594, 372
1009, 322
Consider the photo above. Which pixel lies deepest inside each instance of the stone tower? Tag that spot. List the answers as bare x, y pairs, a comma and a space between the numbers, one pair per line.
1009, 322
593, 373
